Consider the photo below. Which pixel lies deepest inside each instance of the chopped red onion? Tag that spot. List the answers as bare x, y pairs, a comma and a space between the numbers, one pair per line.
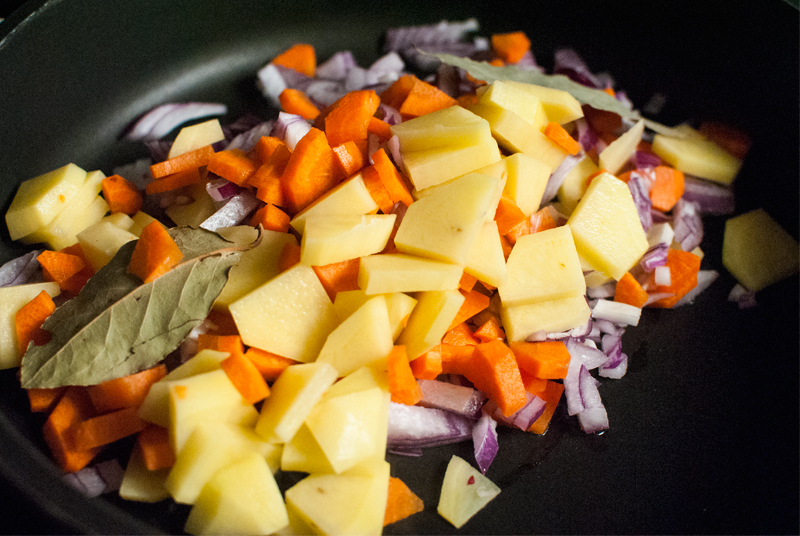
270, 82
639, 186
570, 64
247, 140
586, 353
158, 149
484, 440
655, 296
577, 333
242, 124
87, 481
414, 452
687, 224
617, 312
337, 66
442, 37
593, 418
606, 290
743, 297
709, 197
586, 136
294, 79
522, 418
163, 119
112, 474
617, 363
572, 390
465, 401
233, 212
660, 217
606, 326
290, 128
559, 174
222, 189
528, 63
357, 78
642, 159
704, 280
662, 276
389, 115
415, 426
387, 68
23, 269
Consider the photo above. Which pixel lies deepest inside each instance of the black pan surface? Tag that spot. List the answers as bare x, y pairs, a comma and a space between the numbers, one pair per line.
704, 427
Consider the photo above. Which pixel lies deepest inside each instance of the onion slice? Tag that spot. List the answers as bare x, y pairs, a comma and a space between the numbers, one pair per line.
163, 119
465, 401
484, 440
235, 210
415, 426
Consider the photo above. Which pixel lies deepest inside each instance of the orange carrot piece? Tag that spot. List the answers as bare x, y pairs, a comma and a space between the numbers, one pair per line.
349, 118
490, 331
460, 335
125, 392
380, 128
467, 282
63, 268
683, 267
391, 178
191, 160
339, 276
246, 377
74, 407
221, 323
43, 399
506, 245
521, 229
551, 396
544, 359
174, 181
272, 218
395, 94
105, 429
374, 184
268, 364
156, 448
474, 303
29, 319
294, 101
265, 146
456, 359
467, 99
349, 158
267, 178
155, 253
508, 215
424, 98
403, 385
429, 365
510, 47
76, 282
561, 137
221, 343
533, 385
667, 188
290, 255
731, 139
494, 371
542, 220
628, 290
310, 172
233, 165
401, 502
300, 57
121, 195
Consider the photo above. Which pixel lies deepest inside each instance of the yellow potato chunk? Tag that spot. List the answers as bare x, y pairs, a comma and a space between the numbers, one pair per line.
327, 240
12, 299
429, 321
699, 157
550, 316
512, 96
348, 198
386, 273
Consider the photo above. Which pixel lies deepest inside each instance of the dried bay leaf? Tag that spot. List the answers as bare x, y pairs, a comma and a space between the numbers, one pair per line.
117, 326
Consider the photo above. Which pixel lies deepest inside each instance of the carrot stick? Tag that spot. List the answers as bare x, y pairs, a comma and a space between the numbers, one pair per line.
533, 385
220, 343
494, 371
268, 364
64, 269
456, 359
460, 335
395, 94
391, 178
339, 276
191, 160
542, 220
245, 377
272, 218
628, 290
401, 502
521, 229
104, 429
310, 172
424, 98
380, 128
121, 195
683, 267
667, 188
125, 392
265, 146
349, 158
296, 102
156, 448
174, 181
551, 396
561, 137
29, 319
77, 281
267, 178
508, 215
402, 383
74, 407
376, 189
300, 57
290, 255
544, 359
155, 253
233, 165
510, 47
43, 399
429, 365
474, 303
467, 282
349, 118
490, 331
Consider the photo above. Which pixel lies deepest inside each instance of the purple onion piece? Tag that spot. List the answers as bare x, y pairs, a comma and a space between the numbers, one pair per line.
21, 270
244, 123
337, 66
606, 290
387, 68
415, 426
586, 355
578, 332
593, 418
112, 474
163, 119
465, 401
247, 140
654, 257
484, 439
616, 371
586, 136
572, 390
569, 63
323, 93
558, 176
158, 149
608, 327
709, 197
414, 452
270, 82
523, 418
644, 159
235, 210
290, 128
687, 224
294, 79
449, 37
222, 189
639, 186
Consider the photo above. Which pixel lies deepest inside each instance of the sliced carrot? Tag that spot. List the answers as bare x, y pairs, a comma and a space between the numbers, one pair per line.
533, 385
74, 407
467, 99
467, 282
551, 396
174, 181
43, 399
155, 253
429, 365
290, 255
543, 359
542, 220
683, 267
510, 47
494, 371
391, 178
125, 392
310, 172
401, 502
380, 128
233, 165
121, 195
349, 158
561, 137
191, 160
402, 383
424, 98
271, 218
268, 364
339, 276
294, 101
667, 188
156, 448
246, 377
521, 229
460, 335
506, 245
349, 118
456, 359
265, 146
474, 303
267, 178
376, 189
300, 57
220, 343
490, 330
28, 321
105, 429
396, 93
77, 281
63, 268
508, 215
628, 290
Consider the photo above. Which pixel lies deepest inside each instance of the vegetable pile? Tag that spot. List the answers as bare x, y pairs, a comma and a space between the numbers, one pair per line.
408, 255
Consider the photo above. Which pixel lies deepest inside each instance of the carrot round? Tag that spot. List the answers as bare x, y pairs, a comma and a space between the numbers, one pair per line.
121, 195
155, 253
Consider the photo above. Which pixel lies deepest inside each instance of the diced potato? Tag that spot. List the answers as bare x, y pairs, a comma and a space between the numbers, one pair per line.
512, 97
429, 321
196, 136
559, 105
303, 453
197, 210
699, 157
619, 151
140, 221
101, 241
526, 180
349, 198
486, 260
141, 484
121, 220
331, 239
453, 127
465, 491
574, 185
552, 316
12, 299
398, 304
387, 273
434, 166
758, 251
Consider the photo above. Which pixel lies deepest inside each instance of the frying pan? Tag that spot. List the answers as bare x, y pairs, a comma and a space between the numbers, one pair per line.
704, 427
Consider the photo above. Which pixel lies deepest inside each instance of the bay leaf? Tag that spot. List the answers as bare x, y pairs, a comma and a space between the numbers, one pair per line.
118, 326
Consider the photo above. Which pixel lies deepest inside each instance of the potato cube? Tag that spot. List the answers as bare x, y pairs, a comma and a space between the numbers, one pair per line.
349, 198
386, 273
331, 239
429, 321
12, 299
550, 316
